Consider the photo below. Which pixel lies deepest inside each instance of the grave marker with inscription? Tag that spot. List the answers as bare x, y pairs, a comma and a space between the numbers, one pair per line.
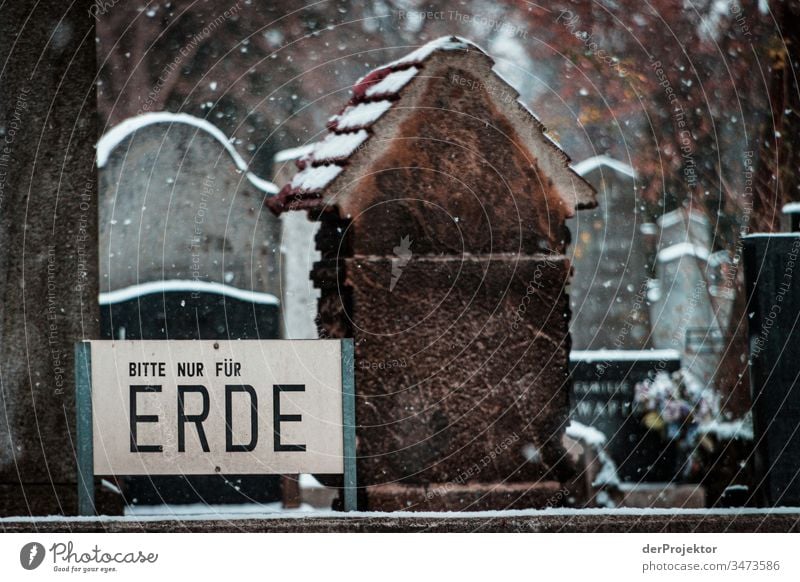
603, 383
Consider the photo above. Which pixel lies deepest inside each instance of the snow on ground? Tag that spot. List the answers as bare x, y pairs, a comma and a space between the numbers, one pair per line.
627, 355
295, 514
205, 510
586, 434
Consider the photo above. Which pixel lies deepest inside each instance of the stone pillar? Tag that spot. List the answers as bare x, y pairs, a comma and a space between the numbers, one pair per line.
48, 237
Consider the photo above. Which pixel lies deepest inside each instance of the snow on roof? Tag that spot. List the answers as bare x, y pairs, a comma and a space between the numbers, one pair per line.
189, 286
337, 146
372, 96
681, 250
392, 83
117, 134
292, 153
360, 116
444, 43
590, 164
315, 179
772, 234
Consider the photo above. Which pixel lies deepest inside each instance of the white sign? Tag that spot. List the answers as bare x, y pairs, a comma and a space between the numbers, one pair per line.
206, 407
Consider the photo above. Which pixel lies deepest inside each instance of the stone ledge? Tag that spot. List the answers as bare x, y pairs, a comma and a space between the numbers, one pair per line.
555, 521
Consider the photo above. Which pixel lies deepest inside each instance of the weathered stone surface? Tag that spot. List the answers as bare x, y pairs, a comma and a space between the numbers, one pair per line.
455, 182
48, 234
175, 206
462, 365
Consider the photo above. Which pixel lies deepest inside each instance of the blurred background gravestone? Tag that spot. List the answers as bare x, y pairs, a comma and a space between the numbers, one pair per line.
611, 262
603, 393
689, 310
187, 252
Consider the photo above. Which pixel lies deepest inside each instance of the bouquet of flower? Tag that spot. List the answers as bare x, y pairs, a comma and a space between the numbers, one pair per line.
676, 406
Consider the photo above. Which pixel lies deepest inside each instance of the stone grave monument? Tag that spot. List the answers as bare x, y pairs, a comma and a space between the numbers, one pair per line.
442, 205
187, 251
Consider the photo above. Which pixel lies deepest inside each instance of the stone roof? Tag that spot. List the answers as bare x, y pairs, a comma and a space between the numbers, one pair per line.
376, 94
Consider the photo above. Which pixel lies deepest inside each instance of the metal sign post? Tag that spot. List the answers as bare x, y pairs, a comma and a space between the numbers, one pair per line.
349, 425
83, 405
118, 370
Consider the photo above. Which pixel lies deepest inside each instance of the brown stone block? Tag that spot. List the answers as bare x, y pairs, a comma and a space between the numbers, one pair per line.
466, 497
461, 366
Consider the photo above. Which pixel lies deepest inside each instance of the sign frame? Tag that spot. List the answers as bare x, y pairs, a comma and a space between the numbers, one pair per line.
85, 430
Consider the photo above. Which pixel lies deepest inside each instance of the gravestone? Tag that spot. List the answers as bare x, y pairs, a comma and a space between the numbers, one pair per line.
685, 315
187, 252
442, 207
603, 389
176, 205
608, 292
773, 291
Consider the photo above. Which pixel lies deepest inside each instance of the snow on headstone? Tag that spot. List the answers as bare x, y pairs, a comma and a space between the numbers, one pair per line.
177, 202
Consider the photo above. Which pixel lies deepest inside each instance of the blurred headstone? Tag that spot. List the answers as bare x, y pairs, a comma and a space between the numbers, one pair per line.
298, 255
683, 313
175, 204
791, 213
609, 254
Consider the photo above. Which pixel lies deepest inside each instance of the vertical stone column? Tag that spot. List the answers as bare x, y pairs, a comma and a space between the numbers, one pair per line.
48, 245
